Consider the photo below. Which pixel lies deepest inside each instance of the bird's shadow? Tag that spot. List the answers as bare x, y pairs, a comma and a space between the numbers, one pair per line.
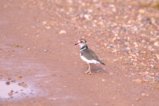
97, 68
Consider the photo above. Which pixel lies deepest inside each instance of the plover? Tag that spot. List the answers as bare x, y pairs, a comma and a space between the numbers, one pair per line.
88, 55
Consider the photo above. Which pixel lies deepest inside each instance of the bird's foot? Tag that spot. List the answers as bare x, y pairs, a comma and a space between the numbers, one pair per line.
88, 72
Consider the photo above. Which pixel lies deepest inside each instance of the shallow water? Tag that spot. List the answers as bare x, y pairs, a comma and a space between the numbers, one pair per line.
11, 89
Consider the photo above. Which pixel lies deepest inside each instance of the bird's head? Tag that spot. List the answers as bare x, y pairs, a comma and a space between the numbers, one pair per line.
81, 43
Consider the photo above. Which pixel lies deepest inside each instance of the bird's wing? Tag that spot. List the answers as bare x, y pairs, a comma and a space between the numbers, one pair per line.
90, 54
93, 55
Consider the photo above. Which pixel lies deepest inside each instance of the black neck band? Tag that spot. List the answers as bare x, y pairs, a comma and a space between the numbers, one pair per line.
84, 47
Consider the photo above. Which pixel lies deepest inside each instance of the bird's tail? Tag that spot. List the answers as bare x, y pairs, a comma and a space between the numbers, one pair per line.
101, 62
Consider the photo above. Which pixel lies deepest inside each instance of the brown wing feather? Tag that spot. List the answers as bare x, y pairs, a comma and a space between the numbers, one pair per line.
90, 54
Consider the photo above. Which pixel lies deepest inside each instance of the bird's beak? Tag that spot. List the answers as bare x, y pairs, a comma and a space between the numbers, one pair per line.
76, 43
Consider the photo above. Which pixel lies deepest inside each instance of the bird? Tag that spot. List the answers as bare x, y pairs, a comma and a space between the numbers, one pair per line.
88, 55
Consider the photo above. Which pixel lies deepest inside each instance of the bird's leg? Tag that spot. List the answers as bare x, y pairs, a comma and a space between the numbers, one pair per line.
88, 70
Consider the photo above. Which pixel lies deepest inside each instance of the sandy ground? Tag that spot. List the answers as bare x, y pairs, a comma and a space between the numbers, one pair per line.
40, 66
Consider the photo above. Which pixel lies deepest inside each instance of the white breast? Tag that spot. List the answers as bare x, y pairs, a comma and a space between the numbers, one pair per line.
89, 61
